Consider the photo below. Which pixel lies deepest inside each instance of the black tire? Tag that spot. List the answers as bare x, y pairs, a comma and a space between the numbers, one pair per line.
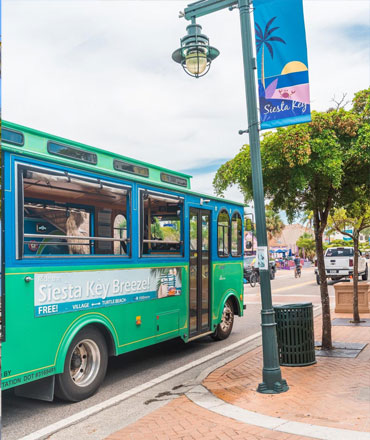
366, 274
85, 366
253, 279
225, 327
296, 273
272, 274
318, 280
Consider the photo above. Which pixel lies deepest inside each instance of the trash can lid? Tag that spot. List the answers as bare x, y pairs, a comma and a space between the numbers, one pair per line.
293, 306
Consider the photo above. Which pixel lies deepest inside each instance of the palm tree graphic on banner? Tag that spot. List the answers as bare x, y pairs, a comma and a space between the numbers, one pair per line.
264, 39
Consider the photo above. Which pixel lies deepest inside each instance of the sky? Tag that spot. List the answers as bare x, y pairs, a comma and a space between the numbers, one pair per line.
100, 72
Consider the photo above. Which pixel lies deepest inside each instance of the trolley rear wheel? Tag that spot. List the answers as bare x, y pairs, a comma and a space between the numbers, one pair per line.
84, 367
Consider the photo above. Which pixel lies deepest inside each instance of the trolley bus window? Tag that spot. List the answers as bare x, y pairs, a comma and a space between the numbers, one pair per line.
161, 225
236, 235
64, 214
223, 234
12, 137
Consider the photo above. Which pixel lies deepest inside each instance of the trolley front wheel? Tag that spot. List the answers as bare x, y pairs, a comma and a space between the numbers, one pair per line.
224, 328
84, 368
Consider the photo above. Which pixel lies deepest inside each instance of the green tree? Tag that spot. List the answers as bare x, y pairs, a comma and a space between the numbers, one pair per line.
123, 224
156, 230
306, 245
310, 167
170, 233
248, 224
337, 242
366, 232
356, 217
307, 219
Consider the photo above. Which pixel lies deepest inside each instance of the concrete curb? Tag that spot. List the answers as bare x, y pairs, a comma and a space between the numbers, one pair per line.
200, 396
45, 432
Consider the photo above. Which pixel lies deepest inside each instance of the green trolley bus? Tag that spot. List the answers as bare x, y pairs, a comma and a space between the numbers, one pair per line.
102, 255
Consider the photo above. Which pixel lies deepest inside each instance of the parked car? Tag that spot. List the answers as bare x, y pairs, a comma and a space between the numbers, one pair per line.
250, 267
339, 264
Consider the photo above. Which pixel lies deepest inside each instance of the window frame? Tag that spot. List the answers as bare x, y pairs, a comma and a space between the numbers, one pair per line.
173, 179
94, 155
20, 168
120, 161
180, 199
239, 237
18, 144
224, 210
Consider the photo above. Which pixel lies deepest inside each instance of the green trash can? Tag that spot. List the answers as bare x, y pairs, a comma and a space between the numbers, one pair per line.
295, 334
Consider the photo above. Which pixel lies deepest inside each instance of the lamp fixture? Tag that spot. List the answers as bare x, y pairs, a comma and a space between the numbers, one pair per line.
195, 54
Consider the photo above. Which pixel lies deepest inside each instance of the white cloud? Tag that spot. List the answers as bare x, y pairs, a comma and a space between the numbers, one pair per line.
101, 72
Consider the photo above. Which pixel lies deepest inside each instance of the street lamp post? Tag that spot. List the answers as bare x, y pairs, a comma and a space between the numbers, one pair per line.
272, 382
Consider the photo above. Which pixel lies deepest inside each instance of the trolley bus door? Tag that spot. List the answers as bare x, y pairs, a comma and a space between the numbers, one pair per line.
199, 285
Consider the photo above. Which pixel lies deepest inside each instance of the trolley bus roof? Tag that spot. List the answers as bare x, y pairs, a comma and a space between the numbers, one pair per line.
35, 143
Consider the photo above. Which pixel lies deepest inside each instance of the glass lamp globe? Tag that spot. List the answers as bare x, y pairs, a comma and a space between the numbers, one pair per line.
196, 61
195, 54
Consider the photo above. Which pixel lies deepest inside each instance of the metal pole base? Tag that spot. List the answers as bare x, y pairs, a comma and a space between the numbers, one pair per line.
277, 388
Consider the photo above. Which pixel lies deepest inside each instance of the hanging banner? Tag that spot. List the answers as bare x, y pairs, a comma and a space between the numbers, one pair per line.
283, 87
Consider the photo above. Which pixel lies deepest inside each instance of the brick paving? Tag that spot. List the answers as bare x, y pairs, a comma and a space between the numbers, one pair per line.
335, 392
183, 420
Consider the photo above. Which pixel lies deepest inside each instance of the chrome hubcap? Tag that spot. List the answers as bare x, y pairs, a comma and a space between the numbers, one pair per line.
227, 318
85, 362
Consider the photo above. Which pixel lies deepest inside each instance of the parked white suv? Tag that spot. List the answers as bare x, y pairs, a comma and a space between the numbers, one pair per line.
339, 264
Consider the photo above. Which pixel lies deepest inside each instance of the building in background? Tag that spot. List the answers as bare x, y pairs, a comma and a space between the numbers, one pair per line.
250, 243
339, 236
284, 244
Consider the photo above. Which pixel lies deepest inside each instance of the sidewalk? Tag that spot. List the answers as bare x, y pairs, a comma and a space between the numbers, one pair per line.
328, 400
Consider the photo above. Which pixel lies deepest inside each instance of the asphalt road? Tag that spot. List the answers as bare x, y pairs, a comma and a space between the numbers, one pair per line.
21, 416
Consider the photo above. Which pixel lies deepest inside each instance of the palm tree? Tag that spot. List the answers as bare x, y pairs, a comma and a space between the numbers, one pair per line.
306, 245
274, 224
307, 218
264, 39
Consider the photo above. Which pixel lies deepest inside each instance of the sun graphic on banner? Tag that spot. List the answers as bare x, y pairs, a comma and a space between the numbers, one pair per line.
294, 66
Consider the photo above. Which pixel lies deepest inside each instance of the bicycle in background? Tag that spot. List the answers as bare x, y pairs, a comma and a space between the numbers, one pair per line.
298, 267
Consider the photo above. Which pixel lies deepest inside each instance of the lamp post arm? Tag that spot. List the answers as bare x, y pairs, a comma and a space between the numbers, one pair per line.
204, 7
